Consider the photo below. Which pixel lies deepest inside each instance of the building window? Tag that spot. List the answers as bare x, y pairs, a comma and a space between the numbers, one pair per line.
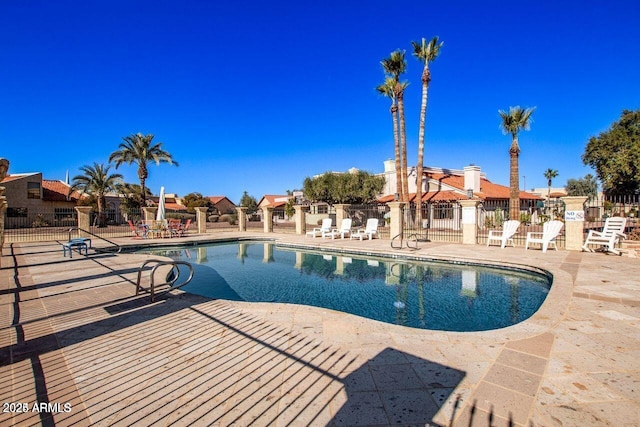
63, 213
443, 211
16, 212
33, 190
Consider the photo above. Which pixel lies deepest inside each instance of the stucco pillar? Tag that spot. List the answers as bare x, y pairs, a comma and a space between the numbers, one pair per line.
4, 167
341, 213
301, 218
267, 217
469, 221
84, 220
242, 218
574, 222
397, 221
201, 219
149, 213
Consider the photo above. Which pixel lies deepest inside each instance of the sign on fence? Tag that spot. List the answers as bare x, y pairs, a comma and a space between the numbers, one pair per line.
574, 215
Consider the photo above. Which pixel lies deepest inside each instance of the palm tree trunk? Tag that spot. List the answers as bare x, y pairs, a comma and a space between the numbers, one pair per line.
420, 166
514, 180
403, 142
142, 175
396, 140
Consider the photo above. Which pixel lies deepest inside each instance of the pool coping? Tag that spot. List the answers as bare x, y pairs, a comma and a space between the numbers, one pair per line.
549, 314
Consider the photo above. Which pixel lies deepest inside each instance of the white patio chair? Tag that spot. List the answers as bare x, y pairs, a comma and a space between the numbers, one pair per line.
505, 235
345, 228
324, 228
550, 231
370, 230
610, 235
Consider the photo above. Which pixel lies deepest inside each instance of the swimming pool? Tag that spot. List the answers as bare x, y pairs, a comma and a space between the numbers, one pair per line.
426, 295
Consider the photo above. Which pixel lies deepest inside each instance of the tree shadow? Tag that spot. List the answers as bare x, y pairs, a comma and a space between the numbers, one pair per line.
190, 360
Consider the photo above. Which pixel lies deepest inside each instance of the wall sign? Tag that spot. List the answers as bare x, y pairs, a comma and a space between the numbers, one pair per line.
574, 215
468, 215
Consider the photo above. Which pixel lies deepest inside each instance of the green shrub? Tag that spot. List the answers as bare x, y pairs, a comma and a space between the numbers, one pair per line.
39, 221
232, 219
181, 216
525, 218
634, 234
213, 218
489, 222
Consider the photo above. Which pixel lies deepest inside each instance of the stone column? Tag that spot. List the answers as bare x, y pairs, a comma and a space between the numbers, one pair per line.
4, 167
149, 213
574, 222
341, 213
267, 217
397, 221
201, 219
469, 221
84, 220
242, 218
301, 218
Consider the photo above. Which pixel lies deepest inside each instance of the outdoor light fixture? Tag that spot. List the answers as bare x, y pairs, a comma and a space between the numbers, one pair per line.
396, 197
469, 193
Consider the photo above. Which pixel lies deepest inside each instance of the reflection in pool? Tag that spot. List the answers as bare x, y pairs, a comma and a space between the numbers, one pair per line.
438, 296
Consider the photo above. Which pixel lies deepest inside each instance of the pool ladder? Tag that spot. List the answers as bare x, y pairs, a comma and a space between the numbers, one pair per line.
172, 276
411, 241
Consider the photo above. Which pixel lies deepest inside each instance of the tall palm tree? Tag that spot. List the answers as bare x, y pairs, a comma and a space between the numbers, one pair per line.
388, 89
141, 150
514, 121
97, 182
426, 53
549, 174
395, 65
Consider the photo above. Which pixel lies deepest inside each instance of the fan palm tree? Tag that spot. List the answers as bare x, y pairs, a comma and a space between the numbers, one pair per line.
550, 174
395, 65
426, 53
513, 122
96, 182
388, 89
140, 149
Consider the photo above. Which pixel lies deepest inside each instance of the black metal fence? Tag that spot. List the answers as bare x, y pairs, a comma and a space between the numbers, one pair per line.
36, 224
597, 210
438, 222
359, 215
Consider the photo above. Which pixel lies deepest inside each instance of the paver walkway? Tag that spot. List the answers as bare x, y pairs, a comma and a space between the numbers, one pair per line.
73, 334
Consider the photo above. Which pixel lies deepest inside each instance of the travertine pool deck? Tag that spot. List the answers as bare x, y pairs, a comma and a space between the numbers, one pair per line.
73, 332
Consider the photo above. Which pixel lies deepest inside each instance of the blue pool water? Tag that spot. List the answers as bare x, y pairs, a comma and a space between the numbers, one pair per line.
436, 296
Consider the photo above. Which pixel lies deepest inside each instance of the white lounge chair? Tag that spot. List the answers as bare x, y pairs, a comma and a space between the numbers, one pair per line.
609, 236
324, 228
345, 229
550, 231
370, 230
504, 236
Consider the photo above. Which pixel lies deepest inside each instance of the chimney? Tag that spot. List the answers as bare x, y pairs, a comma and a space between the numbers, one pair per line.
472, 178
389, 165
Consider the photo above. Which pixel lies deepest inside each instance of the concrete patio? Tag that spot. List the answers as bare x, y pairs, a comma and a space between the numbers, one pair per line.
73, 332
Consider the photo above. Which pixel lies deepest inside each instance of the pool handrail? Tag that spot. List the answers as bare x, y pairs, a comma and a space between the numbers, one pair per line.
171, 278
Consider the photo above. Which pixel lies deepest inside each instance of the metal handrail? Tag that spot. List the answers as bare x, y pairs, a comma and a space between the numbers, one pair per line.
171, 278
394, 238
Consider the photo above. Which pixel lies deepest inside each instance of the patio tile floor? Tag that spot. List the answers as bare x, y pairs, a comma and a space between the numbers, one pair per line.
73, 331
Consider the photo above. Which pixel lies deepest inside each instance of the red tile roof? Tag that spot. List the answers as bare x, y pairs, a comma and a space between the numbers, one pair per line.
274, 200
432, 196
217, 199
56, 191
488, 190
10, 178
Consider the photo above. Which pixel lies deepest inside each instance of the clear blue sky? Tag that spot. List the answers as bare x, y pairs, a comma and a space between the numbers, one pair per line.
256, 96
